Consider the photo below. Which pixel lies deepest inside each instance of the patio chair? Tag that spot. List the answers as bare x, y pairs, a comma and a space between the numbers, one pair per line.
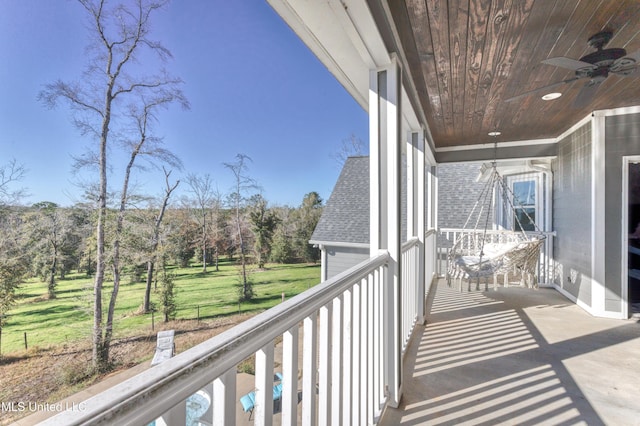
248, 401
165, 347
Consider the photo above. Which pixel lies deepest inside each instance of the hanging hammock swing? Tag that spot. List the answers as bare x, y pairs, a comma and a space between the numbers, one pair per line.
480, 252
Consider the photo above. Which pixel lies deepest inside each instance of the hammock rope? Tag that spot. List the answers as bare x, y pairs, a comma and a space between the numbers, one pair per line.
476, 255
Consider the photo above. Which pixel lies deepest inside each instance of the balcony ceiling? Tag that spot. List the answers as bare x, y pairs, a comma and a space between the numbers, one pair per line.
467, 56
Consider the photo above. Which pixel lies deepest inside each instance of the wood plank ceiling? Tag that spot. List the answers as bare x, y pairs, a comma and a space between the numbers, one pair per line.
467, 56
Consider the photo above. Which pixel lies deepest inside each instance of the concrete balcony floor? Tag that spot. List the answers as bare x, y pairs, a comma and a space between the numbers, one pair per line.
519, 357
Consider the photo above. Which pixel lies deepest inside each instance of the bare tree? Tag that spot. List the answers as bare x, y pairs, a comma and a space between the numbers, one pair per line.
243, 183
263, 223
11, 173
13, 258
114, 100
204, 197
155, 239
51, 231
352, 146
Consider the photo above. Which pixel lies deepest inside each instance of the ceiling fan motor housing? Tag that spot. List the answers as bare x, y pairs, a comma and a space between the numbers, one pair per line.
605, 57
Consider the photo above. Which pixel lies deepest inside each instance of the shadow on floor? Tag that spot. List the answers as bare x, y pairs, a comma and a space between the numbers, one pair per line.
518, 356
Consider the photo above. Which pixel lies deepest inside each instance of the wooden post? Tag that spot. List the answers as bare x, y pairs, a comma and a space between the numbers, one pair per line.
25, 341
152, 321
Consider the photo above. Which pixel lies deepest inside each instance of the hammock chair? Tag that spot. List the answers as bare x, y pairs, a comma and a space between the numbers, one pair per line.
480, 252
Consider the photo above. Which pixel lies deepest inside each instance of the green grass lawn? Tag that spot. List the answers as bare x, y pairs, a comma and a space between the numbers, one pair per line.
68, 318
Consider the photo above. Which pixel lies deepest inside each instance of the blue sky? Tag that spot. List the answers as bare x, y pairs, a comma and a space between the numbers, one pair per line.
254, 89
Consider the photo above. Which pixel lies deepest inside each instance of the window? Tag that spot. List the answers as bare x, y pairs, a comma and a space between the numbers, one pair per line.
524, 205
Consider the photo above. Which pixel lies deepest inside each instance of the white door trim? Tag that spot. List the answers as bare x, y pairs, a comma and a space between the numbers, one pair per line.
624, 249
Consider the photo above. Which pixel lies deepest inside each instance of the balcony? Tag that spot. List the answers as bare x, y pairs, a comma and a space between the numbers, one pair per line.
516, 355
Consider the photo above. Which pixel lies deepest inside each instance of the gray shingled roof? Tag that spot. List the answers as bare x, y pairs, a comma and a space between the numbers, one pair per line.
345, 217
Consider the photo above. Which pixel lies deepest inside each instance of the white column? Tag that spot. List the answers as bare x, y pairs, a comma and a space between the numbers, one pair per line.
411, 186
421, 218
323, 263
385, 180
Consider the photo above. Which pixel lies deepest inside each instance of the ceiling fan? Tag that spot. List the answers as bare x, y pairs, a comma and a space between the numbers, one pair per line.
595, 67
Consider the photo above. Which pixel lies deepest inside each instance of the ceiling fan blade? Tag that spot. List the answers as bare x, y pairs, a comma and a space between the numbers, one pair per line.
635, 56
586, 95
626, 65
568, 63
542, 89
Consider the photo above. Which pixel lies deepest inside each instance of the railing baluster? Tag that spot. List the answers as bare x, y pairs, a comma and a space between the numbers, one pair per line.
309, 370
356, 358
368, 383
324, 367
378, 345
290, 377
376, 320
224, 399
177, 415
347, 361
263, 411
336, 362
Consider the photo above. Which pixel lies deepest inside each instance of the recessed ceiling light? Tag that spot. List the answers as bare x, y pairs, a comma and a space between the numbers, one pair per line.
495, 133
551, 96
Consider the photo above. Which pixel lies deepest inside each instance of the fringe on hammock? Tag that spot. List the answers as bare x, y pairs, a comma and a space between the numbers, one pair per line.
514, 258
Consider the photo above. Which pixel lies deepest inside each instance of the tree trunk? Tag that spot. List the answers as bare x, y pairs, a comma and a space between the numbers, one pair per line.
52, 276
146, 304
100, 356
243, 261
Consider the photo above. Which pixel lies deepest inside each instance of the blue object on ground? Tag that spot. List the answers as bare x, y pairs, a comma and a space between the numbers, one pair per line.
248, 401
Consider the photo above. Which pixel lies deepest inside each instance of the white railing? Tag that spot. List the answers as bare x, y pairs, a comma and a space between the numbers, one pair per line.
410, 281
431, 264
414, 266
545, 263
343, 359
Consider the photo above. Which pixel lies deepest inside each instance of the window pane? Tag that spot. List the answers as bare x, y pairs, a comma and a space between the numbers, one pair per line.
524, 193
522, 219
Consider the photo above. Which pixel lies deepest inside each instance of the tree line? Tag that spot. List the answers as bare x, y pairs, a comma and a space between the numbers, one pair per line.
48, 242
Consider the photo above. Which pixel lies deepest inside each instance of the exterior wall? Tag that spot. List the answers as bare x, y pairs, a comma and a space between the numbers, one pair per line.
457, 193
572, 173
339, 259
622, 137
